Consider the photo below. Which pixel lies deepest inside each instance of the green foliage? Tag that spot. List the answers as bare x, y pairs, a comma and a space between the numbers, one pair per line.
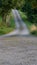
34, 32
19, 4
4, 28
5, 7
30, 7
28, 23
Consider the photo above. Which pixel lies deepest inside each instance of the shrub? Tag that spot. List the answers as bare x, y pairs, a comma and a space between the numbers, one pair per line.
34, 32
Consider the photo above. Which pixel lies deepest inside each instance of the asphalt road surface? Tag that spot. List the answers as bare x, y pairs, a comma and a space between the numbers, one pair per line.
20, 25
18, 51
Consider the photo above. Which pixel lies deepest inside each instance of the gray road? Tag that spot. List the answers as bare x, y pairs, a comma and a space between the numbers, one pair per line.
20, 25
18, 51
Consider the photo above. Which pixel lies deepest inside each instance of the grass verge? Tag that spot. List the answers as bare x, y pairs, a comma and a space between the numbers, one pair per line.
6, 28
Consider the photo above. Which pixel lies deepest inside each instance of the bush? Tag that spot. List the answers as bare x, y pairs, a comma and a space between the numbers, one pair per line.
34, 32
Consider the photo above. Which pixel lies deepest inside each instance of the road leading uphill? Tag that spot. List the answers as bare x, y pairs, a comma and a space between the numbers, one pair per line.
20, 25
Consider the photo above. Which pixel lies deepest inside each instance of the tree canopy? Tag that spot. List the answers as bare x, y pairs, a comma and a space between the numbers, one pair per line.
30, 7
6, 6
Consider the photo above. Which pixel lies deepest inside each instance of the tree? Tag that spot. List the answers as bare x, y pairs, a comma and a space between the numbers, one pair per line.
5, 8
30, 7
19, 4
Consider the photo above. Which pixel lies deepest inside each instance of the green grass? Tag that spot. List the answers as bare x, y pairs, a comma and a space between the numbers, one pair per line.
4, 28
